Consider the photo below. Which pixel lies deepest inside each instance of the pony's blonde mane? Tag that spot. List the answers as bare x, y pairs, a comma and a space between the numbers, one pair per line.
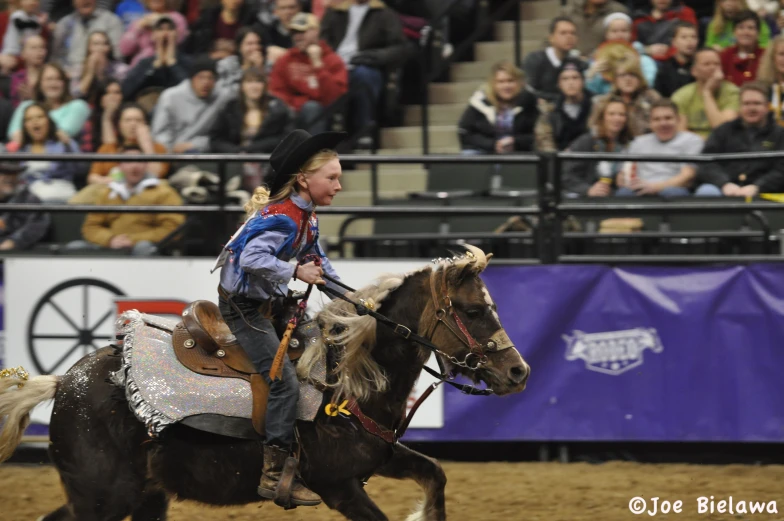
358, 375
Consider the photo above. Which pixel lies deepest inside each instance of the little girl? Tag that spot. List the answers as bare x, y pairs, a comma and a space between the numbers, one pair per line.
255, 268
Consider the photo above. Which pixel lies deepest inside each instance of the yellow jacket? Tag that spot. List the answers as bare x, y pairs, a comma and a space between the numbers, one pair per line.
99, 228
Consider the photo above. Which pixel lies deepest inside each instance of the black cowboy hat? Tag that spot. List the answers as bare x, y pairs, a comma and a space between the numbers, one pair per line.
294, 151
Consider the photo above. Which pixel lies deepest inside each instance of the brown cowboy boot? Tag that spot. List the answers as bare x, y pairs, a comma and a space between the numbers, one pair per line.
274, 460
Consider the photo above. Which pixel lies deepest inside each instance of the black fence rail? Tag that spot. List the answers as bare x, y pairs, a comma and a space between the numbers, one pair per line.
546, 211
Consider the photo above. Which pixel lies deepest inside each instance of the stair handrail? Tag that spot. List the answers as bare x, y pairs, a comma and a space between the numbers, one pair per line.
426, 41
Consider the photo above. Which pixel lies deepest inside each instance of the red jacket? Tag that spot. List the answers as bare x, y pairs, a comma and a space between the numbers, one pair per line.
294, 79
740, 70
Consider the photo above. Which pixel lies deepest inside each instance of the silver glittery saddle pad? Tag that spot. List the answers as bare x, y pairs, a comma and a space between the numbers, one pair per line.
161, 391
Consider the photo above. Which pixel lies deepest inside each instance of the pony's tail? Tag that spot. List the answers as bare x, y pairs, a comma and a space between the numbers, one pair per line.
258, 200
17, 398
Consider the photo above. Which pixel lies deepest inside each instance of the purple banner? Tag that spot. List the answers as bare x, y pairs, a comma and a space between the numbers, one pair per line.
634, 354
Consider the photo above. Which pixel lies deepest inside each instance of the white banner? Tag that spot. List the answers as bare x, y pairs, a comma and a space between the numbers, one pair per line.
59, 309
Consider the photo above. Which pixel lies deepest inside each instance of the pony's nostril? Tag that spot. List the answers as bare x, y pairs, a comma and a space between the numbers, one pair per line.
518, 374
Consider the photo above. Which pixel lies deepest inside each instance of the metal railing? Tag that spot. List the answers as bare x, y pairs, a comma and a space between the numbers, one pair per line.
549, 209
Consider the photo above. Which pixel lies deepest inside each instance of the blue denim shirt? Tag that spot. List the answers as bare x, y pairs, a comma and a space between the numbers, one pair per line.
268, 273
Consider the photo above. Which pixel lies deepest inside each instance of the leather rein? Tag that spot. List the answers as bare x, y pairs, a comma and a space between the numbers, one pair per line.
474, 359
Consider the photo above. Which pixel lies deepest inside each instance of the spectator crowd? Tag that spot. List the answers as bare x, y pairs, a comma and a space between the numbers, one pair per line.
176, 76
645, 77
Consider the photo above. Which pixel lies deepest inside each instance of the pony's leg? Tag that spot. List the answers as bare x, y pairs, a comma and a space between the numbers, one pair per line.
351, 500
153, 506
427, 472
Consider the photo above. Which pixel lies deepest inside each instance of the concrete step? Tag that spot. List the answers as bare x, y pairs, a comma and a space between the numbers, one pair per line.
359, 198
329, 226
389, 168
417, 151
497, 51
455, 92
442, 114
529, 30
539, 9
389, 180
470, 71
403, 137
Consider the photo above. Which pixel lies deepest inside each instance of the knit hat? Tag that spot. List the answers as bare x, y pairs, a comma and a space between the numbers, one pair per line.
616, 16
571, 64
201, 64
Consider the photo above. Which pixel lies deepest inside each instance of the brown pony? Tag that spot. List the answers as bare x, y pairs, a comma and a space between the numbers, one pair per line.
111, 468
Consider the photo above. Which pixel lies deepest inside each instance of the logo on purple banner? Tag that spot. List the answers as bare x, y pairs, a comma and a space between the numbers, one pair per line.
613, 352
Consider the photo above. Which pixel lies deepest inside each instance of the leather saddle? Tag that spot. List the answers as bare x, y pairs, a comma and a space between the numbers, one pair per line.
204, 344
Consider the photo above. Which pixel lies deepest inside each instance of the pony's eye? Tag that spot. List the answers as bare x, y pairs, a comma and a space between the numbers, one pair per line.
475, 312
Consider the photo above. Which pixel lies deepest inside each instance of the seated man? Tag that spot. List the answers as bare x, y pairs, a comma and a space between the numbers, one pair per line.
664, 179
185, 114
543, 67
655, 27
754, 131
711, 100
69, 47
369, 37
19, 231
137, 233
166, 68
274, 30
310, 76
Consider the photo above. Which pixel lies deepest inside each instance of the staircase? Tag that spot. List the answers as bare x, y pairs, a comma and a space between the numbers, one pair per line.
447, 103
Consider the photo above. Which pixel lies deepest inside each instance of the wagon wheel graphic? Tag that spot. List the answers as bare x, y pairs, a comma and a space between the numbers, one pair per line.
58, 332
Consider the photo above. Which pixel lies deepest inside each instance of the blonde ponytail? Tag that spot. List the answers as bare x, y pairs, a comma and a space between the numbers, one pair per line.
258, 200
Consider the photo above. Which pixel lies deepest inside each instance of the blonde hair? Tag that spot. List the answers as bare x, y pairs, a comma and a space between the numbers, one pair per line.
357, 373
718, 20
508, 67
631, 66
261, 195
767, 68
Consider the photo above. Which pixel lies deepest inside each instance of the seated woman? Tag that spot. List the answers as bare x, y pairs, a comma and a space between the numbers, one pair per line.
137, 42
50, 181
618, 46
23, 81
250, 53
128, 128
500, 117
720, 32
99, 66
630, 86
106, 99
610, 134
255, 122
566, 119
51, 92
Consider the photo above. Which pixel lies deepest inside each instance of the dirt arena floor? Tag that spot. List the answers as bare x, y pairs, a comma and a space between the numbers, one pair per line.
481, 492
